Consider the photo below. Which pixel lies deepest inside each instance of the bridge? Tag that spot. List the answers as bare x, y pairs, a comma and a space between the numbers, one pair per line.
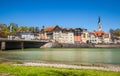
6, 44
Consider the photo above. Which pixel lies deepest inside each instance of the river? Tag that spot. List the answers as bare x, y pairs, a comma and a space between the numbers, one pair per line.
65, 55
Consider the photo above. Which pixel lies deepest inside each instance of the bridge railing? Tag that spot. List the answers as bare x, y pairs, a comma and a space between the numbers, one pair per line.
6, 39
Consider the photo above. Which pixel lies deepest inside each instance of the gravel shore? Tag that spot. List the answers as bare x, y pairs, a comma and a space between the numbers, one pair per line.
104, 67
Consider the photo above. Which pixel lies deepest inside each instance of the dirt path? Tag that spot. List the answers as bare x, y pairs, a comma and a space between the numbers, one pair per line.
5, 74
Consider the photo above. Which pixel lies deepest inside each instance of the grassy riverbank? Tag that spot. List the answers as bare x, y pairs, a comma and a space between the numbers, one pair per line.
48, 71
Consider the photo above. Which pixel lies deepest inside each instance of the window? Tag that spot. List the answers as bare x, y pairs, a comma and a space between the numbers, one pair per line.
84, 35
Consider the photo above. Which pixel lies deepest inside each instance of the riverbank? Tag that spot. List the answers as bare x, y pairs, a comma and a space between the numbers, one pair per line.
46, 69
79, 45
92, 66
103, 67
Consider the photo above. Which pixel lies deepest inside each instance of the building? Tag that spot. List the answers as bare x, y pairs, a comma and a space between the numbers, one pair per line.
43, 34
25, 35
68, 35
116, 39
57, 34
99, 36
93, 38
53, 33
96, 37
77, 35
85, 36
107, 38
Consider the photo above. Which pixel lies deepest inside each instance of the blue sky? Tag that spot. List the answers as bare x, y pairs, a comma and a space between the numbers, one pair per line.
66, 13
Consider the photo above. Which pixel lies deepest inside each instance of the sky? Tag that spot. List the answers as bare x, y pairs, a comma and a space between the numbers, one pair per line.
65, 13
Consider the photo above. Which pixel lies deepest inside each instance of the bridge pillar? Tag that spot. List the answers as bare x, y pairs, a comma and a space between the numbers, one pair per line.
3, 45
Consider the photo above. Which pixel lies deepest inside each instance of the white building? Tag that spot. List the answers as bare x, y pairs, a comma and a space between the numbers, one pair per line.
93, 39
57, 34
106, 38
68, 36
85, 36
25, 35
53, 33
99, 37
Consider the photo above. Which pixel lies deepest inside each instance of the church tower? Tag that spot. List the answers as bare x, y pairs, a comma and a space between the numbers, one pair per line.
99, 24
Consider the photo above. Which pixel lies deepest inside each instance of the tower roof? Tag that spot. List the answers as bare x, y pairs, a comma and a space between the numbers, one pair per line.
99, 23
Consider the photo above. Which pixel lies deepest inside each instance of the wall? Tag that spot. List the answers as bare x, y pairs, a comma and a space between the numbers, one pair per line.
77, 38
107, 45
70, 37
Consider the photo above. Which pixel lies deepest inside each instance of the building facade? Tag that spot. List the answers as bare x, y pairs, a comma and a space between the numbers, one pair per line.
77, 35
53, 33
25, 35
85, 36
68, 36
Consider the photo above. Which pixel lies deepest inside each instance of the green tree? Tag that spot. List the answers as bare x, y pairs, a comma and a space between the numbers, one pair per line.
31, 29
4, 31
23, 28
13, 27
117, 32
114, 33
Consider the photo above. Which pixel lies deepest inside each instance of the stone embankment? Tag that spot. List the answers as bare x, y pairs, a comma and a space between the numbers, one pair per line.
80, 45
107, 45
65, 45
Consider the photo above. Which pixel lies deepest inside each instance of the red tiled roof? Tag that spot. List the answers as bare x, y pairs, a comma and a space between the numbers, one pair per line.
50, 28
94, 32
100, 33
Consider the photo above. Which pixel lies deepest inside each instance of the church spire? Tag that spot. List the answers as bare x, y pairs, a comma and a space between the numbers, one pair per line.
99, 24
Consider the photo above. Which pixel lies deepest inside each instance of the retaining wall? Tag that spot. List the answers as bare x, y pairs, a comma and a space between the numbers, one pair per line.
107, 45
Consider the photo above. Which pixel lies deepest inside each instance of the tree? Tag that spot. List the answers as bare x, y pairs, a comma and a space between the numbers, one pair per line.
13, 27
4, 31
36, 30
31, 29
1, 30
23, 28
117, 32
114, 33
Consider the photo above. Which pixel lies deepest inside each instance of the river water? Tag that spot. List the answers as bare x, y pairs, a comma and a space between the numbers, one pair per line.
67, 55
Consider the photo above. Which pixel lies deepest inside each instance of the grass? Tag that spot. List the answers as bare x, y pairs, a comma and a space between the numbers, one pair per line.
48, 71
